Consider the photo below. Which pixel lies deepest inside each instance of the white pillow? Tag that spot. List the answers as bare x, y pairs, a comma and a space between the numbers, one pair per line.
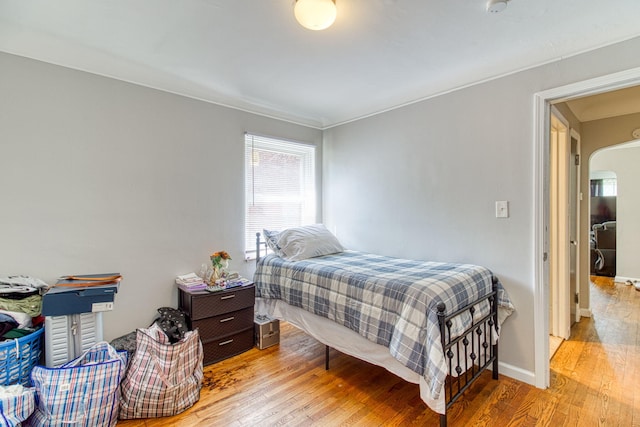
295, 244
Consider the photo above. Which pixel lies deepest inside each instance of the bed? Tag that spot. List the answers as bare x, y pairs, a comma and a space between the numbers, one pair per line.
434, 324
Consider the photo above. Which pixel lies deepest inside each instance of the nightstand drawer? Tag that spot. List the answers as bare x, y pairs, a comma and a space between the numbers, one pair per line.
201, 305
228, 346
224, 324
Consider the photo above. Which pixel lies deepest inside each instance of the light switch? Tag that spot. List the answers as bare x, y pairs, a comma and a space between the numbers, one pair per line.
502, 209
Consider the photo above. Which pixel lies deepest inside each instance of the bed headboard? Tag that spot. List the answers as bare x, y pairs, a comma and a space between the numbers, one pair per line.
259, 243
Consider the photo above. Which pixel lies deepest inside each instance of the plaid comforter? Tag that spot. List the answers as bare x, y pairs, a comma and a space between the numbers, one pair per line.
389, 301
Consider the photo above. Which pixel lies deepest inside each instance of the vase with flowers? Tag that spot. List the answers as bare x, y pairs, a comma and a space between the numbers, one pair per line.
220, 264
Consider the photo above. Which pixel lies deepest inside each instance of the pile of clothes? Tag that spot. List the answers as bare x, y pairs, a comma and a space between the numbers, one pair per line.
20, 306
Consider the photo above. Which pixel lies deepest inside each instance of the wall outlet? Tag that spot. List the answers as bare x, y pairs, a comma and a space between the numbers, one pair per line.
502, 209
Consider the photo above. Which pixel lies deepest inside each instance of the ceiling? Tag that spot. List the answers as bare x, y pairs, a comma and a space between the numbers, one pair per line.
605, 105
252, 55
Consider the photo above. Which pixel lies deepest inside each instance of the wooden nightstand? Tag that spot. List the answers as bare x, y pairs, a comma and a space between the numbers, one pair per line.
224, 320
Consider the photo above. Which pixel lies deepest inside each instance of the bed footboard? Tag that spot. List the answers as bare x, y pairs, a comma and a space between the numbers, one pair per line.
472, 352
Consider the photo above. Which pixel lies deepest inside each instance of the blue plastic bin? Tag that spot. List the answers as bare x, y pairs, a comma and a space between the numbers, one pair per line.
18, 357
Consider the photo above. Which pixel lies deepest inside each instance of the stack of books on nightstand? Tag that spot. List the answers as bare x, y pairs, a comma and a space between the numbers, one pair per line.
191, 282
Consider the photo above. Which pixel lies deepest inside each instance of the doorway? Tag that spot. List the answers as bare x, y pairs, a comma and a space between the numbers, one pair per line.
542, 268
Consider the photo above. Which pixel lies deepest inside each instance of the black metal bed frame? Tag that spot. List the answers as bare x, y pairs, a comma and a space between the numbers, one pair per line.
473, 351
469, 354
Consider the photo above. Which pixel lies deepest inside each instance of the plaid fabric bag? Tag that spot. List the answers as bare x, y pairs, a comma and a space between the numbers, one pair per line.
163, 379
83, 392
16, 404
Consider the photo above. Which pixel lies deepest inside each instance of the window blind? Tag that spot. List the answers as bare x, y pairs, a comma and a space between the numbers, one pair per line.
280, 189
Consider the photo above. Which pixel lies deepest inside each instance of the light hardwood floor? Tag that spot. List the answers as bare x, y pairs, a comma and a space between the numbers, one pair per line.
595, 381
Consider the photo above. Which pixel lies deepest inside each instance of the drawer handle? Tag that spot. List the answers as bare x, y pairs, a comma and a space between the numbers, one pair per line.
228, 296
227, 319
226, 342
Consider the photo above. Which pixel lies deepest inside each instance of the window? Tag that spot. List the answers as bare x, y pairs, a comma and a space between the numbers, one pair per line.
280, 189
604, 187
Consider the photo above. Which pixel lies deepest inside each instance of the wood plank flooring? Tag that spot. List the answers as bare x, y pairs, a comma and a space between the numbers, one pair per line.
595, 381
554, 345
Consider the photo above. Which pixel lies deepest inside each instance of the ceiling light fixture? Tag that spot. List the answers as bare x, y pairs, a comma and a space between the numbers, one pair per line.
315, 14
495, 6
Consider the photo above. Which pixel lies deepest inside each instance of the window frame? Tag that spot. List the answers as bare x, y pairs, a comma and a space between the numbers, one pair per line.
309, 158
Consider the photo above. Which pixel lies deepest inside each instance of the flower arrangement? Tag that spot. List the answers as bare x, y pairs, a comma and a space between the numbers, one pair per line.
219, 264
220, 259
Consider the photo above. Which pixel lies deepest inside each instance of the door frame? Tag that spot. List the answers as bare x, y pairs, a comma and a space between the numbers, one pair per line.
542, 110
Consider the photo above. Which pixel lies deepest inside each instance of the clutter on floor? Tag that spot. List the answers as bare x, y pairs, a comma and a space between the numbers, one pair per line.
56, 368
21, 329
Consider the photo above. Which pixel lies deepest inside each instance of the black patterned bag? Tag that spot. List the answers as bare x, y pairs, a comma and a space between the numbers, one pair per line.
173, 322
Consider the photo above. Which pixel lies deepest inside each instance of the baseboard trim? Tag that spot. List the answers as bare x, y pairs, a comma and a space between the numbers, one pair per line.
517, 373
585, 312
622, 279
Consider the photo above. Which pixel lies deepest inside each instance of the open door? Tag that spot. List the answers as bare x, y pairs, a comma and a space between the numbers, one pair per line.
560, 300
575, 197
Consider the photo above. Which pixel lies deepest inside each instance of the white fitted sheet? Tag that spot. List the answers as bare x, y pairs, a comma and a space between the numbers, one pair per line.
347, 341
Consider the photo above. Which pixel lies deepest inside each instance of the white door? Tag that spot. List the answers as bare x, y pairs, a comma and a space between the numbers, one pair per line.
559, 227
575, 197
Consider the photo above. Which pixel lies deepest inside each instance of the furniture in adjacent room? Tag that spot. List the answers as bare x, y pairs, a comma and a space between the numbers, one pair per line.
603, 249
223, 318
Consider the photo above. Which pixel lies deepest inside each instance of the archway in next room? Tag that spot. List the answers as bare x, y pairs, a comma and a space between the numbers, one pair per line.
615, 203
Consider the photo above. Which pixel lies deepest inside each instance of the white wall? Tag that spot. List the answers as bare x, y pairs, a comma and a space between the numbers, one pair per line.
625, 162
101, 176
421, 181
